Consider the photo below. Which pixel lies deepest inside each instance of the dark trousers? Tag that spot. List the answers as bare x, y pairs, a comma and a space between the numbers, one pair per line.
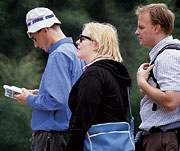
49, 141
161, 141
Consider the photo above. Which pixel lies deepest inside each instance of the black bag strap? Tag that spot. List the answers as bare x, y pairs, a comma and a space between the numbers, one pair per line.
170, 46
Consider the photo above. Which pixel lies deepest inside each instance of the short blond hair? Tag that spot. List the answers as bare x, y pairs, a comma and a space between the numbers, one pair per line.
106, 36
159, 14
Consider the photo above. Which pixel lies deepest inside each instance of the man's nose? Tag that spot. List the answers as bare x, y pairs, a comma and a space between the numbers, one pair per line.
137, 32
35, 44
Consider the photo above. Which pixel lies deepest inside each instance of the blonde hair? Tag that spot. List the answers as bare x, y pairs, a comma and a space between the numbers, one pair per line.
106, 36
159, 14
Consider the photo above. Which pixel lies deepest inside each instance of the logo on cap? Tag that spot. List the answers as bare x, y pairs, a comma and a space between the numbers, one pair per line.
39, 19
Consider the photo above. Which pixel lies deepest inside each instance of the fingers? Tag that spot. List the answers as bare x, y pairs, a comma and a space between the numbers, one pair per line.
142, 92
35, 91
22, 97
145, 66
15, 95
150, 67
24, 90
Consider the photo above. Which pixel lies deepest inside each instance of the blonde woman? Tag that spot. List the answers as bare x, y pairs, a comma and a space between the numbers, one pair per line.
100, 94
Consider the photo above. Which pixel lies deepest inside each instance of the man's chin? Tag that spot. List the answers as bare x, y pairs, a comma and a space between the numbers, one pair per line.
142, 44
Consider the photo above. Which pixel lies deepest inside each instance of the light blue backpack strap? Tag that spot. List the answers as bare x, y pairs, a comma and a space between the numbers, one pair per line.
131, 117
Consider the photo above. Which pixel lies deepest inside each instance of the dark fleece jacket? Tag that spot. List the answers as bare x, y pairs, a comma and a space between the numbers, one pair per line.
99, 96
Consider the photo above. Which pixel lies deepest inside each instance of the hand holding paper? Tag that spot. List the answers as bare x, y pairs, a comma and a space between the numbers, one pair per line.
11, 90
22, 97
18, 93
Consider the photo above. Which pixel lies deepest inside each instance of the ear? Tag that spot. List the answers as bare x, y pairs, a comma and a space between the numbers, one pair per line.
157, 28
96, 46
46, 29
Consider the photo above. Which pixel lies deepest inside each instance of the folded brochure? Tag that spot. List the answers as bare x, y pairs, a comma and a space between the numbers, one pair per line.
10, 90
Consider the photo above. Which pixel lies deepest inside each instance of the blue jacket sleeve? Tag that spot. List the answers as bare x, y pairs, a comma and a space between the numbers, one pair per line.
55, 84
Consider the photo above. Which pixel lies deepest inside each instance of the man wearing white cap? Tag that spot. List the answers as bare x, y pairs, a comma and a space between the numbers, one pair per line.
50, 118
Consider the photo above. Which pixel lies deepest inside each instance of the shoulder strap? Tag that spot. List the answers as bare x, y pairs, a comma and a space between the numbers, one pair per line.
170, 46
131, 117
130, 112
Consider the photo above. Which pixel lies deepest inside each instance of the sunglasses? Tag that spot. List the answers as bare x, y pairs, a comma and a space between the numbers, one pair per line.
82, 37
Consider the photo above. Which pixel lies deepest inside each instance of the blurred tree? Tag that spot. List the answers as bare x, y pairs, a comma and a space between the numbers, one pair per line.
15, 118
22, 65
176, 10
15, 126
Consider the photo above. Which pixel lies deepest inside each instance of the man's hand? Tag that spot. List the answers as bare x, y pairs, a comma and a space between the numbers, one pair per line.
35, 91
166, 99
143, 73
22, 97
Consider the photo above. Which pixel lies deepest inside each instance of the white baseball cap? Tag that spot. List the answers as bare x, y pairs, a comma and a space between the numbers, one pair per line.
39, 18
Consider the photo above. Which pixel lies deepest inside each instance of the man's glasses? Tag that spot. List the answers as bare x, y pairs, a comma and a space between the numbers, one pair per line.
34, 37
82, 37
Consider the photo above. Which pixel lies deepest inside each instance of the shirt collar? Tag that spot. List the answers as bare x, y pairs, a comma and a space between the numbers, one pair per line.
60, 42
101, 58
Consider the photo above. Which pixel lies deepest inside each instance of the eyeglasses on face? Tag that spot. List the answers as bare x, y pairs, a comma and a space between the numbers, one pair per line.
82, 37
34, 39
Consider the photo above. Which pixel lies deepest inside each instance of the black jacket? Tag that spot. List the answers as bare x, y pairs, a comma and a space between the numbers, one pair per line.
99, 96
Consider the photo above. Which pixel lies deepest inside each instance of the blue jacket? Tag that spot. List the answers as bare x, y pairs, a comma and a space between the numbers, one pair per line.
51, 111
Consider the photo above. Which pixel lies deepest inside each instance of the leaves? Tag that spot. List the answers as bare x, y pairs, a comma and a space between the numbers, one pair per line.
15, 118
22, 65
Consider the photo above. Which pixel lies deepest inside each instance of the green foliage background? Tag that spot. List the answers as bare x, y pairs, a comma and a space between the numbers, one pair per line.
22, 65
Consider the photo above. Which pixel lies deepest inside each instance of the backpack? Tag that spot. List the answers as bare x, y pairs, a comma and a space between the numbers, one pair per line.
170, 46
